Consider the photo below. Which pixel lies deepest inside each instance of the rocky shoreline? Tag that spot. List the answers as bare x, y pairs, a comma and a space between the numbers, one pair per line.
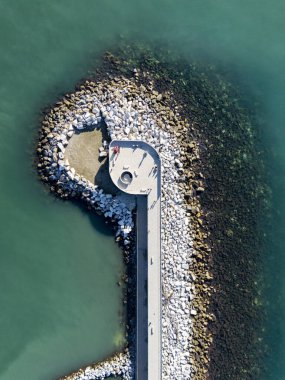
137, 102
129, 112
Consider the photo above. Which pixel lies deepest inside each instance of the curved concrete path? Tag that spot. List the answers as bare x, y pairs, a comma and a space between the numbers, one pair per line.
135, 168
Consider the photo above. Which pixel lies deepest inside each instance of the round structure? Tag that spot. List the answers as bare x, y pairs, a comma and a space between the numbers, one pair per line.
126, 177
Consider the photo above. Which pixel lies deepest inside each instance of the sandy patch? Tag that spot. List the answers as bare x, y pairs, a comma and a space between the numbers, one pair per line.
82, 153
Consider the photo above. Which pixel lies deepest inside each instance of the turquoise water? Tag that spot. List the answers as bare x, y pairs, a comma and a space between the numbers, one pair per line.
59, 301
60, 305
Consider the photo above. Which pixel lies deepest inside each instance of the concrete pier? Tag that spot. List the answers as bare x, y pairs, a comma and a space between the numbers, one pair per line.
135, 168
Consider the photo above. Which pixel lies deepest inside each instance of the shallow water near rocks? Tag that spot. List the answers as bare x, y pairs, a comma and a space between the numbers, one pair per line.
60, 306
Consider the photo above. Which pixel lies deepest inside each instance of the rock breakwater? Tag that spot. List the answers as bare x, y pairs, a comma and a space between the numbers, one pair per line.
134, 111
193, 117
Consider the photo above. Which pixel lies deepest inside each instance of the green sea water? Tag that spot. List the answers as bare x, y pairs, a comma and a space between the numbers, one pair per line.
60, 306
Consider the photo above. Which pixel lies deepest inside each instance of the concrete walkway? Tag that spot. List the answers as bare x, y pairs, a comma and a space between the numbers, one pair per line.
135, 168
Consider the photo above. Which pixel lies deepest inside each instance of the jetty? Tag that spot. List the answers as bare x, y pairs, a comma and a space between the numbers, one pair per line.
135, 168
